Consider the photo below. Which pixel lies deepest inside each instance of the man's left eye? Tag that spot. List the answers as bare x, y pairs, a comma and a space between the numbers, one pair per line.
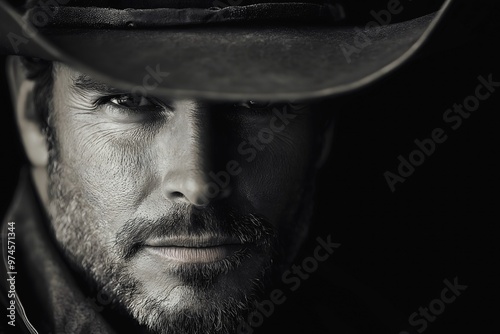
255, 105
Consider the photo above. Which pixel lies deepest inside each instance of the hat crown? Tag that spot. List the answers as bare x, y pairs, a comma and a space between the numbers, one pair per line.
143, 4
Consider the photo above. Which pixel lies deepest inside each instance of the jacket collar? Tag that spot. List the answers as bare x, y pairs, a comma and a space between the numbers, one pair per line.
48, 299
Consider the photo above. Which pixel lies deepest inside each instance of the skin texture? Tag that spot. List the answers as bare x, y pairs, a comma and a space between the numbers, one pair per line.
124, 170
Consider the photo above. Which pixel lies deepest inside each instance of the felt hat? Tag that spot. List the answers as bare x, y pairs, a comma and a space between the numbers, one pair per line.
222, 49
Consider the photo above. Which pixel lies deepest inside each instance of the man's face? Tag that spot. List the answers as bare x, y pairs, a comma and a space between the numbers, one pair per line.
177, 209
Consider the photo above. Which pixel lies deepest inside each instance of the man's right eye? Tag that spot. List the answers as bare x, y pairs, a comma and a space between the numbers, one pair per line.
133, 108
133, 102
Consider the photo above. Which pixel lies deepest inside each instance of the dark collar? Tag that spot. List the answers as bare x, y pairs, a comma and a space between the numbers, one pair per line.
48, 299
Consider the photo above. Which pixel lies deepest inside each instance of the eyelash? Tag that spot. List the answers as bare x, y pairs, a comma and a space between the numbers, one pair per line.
157, 109
255, 109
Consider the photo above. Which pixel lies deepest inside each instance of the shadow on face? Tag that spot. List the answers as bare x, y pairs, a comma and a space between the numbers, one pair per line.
169, 203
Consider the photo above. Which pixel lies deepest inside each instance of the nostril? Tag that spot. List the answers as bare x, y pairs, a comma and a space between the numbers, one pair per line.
176, 194
186, 188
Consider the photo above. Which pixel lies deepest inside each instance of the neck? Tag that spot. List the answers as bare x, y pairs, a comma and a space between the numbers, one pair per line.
41, 181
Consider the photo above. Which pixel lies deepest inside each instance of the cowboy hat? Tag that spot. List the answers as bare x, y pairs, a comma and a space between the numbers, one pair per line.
258, 50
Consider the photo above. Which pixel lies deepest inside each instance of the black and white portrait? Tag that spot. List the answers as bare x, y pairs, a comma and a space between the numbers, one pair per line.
237, 166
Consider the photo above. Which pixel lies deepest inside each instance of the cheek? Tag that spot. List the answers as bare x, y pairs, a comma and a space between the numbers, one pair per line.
274, 180
109, 166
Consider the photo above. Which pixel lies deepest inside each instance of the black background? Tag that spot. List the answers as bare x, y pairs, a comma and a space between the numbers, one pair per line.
439, 224
442, 222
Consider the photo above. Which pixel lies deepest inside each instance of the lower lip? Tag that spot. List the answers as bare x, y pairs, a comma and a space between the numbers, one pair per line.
195, 254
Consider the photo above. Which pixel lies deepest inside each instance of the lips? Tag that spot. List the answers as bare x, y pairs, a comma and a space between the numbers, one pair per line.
194, 249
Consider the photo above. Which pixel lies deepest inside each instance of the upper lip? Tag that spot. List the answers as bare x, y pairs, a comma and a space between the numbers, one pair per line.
192, 241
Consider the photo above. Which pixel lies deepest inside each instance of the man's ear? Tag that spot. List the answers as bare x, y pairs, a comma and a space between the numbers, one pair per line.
28, 120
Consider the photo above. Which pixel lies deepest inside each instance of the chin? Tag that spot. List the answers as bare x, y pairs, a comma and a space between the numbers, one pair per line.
187, 308
196, 298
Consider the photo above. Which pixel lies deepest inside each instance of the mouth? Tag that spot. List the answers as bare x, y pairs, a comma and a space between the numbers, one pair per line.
194, 249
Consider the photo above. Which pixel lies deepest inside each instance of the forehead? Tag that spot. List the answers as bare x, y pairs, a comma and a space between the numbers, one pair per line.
63, 71
69, 77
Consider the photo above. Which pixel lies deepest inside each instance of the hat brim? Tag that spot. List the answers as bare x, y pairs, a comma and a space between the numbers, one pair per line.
241, 62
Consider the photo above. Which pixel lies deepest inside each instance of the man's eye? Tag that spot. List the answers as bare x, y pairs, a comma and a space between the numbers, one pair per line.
254, 105
135, 102
134, 108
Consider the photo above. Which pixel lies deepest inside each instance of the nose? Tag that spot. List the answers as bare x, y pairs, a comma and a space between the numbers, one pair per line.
188, 186
190, 162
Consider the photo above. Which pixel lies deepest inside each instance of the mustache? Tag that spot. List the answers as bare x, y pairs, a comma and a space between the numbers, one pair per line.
185, 221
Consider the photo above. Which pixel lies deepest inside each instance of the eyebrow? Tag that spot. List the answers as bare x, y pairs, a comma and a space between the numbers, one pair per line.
86, 83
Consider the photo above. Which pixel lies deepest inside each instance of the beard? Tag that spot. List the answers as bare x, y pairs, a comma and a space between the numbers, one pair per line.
105, 259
